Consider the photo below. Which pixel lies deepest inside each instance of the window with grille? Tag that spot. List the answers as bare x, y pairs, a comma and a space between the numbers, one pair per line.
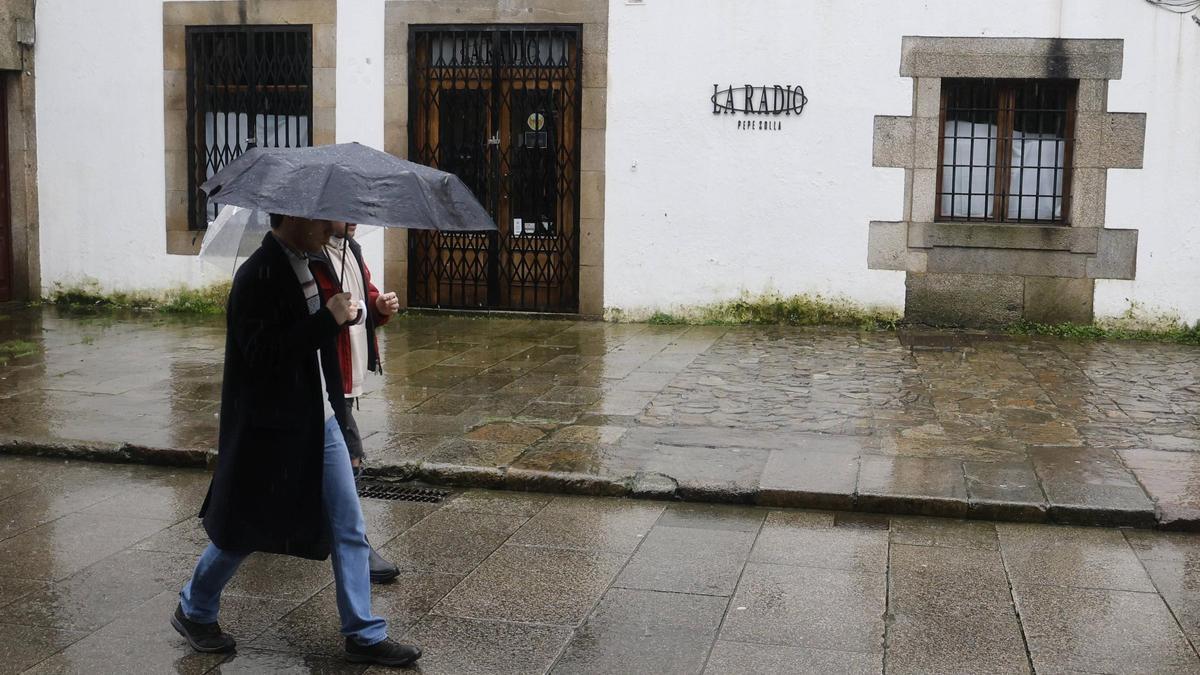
247, 86
1006, 150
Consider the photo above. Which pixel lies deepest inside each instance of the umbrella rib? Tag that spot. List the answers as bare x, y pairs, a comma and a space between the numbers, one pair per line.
233, 176
424, 198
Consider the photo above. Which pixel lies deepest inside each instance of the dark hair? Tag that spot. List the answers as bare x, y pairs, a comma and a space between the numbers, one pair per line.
276, 220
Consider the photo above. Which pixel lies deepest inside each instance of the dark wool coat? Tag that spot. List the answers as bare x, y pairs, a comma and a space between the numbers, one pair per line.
266, 492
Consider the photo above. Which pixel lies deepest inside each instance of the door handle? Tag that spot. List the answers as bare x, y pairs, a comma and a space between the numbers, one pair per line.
494, 140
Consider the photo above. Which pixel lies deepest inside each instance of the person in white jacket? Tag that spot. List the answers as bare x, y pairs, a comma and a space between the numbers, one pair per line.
358, 348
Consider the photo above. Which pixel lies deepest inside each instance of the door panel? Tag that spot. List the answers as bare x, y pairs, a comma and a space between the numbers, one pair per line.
535, 265
455, 267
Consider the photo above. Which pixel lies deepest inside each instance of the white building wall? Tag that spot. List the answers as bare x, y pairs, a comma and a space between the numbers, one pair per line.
697, 211
360, 99
1161, 78
101, 139
100, 146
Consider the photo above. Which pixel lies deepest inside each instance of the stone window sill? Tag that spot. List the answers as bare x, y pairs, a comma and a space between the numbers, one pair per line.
1027, 236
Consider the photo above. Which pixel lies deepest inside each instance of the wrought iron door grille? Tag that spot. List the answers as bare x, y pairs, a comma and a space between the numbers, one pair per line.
1006, 150
499, 106
246, 86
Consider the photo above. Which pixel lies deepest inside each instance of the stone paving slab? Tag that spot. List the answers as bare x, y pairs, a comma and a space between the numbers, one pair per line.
603, 585
933, 423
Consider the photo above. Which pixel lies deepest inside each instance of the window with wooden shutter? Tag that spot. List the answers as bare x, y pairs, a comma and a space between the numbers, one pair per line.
1005, 150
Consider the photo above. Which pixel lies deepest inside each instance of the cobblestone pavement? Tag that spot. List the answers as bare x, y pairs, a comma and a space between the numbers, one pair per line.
930, 423
92, 557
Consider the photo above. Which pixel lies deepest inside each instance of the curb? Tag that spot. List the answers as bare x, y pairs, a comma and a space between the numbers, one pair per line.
650, 486
115, 453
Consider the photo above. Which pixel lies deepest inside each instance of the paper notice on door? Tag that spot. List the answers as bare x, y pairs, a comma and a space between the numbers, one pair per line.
517, 226
530, 227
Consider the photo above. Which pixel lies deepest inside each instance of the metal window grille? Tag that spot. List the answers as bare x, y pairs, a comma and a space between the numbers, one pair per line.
247, 86
499, 106
1005, 150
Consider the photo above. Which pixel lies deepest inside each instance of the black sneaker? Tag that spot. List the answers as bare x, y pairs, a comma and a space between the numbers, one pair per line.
384, 653
382, 569
203, 637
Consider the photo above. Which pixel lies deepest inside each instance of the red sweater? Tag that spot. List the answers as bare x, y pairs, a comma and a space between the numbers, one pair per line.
326, 282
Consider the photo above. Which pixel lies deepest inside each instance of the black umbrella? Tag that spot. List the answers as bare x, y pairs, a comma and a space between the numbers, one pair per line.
351, 183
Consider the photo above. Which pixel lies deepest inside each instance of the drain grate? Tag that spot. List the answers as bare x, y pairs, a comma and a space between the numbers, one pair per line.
401, 493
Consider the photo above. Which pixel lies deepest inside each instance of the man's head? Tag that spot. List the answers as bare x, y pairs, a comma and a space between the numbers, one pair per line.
304, 234
341, 229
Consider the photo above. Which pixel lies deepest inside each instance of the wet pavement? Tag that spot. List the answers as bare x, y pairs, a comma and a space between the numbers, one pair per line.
922, 423
92, 556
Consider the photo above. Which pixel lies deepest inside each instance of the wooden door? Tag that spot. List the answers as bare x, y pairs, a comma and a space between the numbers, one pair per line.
499, 107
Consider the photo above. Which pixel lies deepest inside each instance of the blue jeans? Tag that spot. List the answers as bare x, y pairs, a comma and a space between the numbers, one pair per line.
349, 552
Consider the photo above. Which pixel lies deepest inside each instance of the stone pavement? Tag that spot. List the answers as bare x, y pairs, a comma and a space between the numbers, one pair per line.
927, 423
92, 556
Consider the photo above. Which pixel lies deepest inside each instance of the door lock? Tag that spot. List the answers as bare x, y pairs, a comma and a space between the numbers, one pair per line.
494, 140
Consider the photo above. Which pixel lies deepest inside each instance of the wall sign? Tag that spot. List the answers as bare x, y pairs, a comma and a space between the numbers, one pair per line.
756, 103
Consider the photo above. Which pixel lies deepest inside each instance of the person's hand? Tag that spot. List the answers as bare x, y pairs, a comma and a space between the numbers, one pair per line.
387, 304
339, 305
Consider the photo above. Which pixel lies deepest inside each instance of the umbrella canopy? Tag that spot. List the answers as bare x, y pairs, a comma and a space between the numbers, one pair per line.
232, 236
348, 182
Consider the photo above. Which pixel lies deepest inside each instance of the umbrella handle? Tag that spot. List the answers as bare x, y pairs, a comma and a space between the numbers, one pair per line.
342, 274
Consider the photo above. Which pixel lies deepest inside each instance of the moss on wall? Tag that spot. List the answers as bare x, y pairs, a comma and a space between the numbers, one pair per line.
770, 309
181, 300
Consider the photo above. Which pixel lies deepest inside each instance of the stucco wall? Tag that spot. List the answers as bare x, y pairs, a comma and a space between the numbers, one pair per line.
700, 211
360, 99
100, 146
101, 138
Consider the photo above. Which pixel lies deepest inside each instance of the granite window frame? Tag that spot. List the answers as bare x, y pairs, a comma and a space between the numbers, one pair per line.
971, 273
181, 239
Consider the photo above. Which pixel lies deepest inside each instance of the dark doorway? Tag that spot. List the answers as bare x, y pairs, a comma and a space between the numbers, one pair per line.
6, 256
499, 106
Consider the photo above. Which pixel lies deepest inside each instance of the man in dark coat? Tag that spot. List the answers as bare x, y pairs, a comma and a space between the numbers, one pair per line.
283, 482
